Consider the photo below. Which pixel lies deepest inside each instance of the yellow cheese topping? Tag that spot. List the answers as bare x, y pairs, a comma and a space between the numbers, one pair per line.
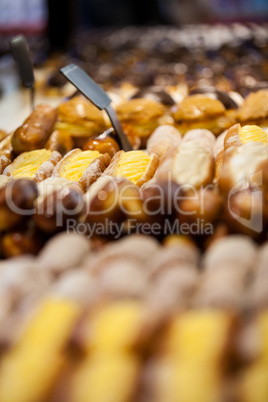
115, 327
28, 163
199, 336
252, 133
106, 378
132, 165
34, 362
196, 343
75, 165
254, 385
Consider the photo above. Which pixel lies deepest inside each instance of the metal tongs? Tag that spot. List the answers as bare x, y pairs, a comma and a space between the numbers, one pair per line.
97, 96
22, 56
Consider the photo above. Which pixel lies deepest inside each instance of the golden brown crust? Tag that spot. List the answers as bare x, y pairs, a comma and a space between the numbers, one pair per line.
80, 111
111, 169
102, 145
94, 171
198, 107
60, 166
6, 145
139, 111
255, 107
65, 199
163, 139
35, 130
43, 172
148, 174
15, 197
4, 162
61, 141
240, 165
231, 138
46, 169
3, 134
218, 164
150, 170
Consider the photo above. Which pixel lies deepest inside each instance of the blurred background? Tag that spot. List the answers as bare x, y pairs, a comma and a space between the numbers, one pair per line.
53, 23
223, 43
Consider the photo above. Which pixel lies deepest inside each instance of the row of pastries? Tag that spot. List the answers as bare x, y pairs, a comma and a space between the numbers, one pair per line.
170, 316
76, 327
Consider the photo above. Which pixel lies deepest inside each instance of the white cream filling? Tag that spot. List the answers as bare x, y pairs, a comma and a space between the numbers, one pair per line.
192, 164
245, 161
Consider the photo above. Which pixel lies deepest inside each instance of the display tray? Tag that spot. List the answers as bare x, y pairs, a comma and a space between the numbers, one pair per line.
140, 275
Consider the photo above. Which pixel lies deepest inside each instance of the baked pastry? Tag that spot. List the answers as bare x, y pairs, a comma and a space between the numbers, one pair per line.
202, 136
204, 206
83, 167
102, 144
58, 200
98, 335
157, 94
136, 166
200, 111
63, 252
61, 141
35, 131
6, 147
20, 242
228, 251
111, 200
252, 385
246, 212
257, 294
226, 272
81, 119
230, 100
17, 198
35, 361
142, 115
255, 110
189, 164
109, 354
4, 162
118, 371
195, 347
237, 135
163, 139
37, 165
241, 166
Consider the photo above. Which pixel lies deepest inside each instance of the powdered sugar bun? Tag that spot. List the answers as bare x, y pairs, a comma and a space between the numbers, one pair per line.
163, 139
204, 137
235, 249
